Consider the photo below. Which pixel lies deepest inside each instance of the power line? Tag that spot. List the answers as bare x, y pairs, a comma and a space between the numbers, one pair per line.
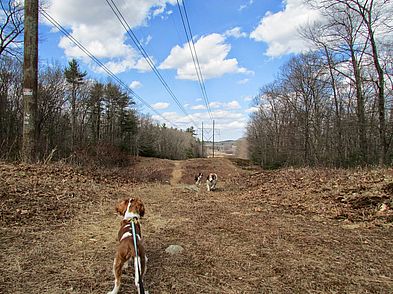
194, 55
103, 66
135, 40
197, 59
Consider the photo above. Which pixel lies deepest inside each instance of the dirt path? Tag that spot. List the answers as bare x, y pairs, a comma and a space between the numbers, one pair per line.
176, 174
249, 236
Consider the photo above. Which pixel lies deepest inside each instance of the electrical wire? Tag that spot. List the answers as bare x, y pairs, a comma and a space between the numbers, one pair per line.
194, 55
146, 56
103, 66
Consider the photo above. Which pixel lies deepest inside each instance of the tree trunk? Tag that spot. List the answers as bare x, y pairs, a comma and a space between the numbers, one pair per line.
381, 93
360, 108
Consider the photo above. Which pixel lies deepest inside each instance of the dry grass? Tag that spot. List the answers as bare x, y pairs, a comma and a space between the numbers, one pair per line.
287, 231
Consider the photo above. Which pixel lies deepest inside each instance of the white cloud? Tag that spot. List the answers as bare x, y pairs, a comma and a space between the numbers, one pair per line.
160, 105
135, 85
235, 32
242, 82
244, 70
142, 65
279, 30
215, 104
198, 107
225, 120
148, 39
230, 105
228, 123
212, 53
233, 105
244, 6
252, 109
225, 114
174, 117
94, 25
234, 125
159, 10
248, 98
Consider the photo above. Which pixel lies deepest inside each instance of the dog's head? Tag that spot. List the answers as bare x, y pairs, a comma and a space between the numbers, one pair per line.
198, 177
212, 177
131, 205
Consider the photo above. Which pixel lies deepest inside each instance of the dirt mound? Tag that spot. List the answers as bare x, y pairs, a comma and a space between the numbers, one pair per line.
56, 192
223, 167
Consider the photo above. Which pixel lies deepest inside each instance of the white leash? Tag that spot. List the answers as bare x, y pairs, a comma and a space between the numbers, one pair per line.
132, 216
137, 264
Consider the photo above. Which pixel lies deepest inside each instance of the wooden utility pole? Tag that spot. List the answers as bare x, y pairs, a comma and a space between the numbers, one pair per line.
30, 81
213, 138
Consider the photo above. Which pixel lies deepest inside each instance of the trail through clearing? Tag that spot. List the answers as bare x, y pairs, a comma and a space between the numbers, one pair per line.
259, 232
176, 174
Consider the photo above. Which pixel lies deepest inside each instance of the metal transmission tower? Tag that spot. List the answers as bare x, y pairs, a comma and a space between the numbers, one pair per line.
208, 135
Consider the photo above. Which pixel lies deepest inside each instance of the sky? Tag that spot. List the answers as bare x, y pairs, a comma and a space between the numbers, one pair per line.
240, 46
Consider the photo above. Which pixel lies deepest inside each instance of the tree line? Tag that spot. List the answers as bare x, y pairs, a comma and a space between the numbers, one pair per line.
76, 117
333, 104
80, 117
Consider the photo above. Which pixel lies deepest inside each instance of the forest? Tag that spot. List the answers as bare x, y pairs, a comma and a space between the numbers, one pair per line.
331, 106
83, 119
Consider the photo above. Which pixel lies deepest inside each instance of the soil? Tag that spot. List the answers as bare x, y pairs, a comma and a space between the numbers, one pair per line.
285, 231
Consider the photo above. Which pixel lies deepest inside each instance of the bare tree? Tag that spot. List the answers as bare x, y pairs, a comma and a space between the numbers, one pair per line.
51, 99
11, 107
327, 106
340, 36
11, 27
375, 13
364, 21
294, 125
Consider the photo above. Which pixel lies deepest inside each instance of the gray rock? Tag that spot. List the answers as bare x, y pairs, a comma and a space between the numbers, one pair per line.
174, 249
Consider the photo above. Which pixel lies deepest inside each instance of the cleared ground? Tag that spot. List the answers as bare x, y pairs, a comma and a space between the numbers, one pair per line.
285, 231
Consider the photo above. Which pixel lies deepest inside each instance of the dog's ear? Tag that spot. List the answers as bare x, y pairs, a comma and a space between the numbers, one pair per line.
140, 206
121, 206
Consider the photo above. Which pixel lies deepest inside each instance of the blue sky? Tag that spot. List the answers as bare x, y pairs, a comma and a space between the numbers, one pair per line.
240, 45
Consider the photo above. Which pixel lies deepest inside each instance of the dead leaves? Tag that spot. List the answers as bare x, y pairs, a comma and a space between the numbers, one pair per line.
354, 195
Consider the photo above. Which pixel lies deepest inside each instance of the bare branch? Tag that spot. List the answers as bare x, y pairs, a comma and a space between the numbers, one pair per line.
11, 28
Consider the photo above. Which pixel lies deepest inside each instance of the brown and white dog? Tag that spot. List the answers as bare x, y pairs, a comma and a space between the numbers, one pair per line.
211, 181
132, 210
198, 178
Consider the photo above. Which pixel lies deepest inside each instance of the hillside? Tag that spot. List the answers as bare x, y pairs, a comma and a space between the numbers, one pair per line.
229, 148
285, 231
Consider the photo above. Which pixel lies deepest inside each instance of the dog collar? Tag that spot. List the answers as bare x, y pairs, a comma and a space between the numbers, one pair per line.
131, 215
